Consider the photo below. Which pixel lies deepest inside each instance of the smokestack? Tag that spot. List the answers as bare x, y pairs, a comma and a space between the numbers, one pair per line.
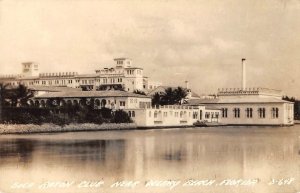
243, 73
187, 84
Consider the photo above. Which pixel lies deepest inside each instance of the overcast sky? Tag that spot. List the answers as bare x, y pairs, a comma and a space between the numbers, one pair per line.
201, 41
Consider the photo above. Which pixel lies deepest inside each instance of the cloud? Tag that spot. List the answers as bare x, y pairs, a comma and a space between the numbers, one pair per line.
202, 41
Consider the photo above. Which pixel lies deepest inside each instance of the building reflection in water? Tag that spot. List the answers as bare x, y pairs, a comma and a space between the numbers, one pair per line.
183, 154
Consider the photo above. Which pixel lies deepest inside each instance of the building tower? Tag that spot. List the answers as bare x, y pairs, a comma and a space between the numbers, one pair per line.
243, 73
122, 62
30, 69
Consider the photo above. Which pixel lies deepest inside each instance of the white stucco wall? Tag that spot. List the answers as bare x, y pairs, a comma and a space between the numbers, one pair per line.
285, 114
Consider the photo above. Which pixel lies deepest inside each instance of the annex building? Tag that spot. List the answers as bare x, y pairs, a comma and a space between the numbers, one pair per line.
252, 106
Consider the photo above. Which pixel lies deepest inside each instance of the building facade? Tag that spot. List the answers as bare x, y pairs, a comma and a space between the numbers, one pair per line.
252, 106
124, 76
173, 115
109, 99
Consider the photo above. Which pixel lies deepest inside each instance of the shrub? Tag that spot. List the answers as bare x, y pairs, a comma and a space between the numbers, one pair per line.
121, 116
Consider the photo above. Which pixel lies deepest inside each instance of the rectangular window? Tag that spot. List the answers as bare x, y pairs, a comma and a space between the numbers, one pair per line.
207, 115
262, 113
236, 112
275, 113
195, 115
217, 115
249, 112
224, 112
165, 114
176, 114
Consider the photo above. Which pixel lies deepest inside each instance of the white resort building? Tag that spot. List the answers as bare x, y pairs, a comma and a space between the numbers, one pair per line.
250, 106
138, 107
109, 99
241, 106
123, 76
256, 106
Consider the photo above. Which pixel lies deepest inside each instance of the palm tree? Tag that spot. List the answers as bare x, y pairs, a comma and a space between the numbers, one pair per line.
180, 94
139, 92
3, 95
168, 97
156, 99
19, 95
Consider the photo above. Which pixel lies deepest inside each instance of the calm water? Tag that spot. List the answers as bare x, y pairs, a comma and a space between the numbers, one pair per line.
30, 163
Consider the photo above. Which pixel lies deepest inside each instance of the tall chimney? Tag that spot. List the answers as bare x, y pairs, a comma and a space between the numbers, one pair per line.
187, 84
243, 73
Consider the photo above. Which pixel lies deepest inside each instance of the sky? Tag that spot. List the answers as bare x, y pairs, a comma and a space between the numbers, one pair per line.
199, 41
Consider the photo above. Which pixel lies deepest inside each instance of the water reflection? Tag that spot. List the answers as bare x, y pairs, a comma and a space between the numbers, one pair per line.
20, 149
181, 154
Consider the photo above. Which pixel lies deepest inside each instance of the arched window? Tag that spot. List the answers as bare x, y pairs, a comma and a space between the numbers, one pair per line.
103, 103
97, 102
63, 103
31, 103
75, 103
43, 103
69, 103
37, 103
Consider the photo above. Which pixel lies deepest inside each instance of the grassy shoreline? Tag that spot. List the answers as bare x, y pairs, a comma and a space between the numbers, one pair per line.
52, 128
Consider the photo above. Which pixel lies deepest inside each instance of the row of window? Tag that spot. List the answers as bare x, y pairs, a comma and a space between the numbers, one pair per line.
49, 82
70, 81
212, 115
181, 114
144, 104
101, 103
131, 113
119, 62
130, 71
139, 72
261, 112
133, 100
66, 82
112, 80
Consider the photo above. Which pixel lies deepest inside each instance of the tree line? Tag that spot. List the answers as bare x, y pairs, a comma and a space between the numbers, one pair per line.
170, 96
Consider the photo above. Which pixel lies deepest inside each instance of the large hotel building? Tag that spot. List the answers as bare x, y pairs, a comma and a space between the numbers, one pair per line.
123, 76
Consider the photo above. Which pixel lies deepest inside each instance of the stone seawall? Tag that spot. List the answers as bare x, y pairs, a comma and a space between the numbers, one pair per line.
51, 128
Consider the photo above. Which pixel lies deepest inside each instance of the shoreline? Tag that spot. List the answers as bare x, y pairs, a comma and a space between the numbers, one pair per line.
52, 128
6, 129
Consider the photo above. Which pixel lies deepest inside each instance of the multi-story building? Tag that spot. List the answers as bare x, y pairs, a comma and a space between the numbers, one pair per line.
124, 76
